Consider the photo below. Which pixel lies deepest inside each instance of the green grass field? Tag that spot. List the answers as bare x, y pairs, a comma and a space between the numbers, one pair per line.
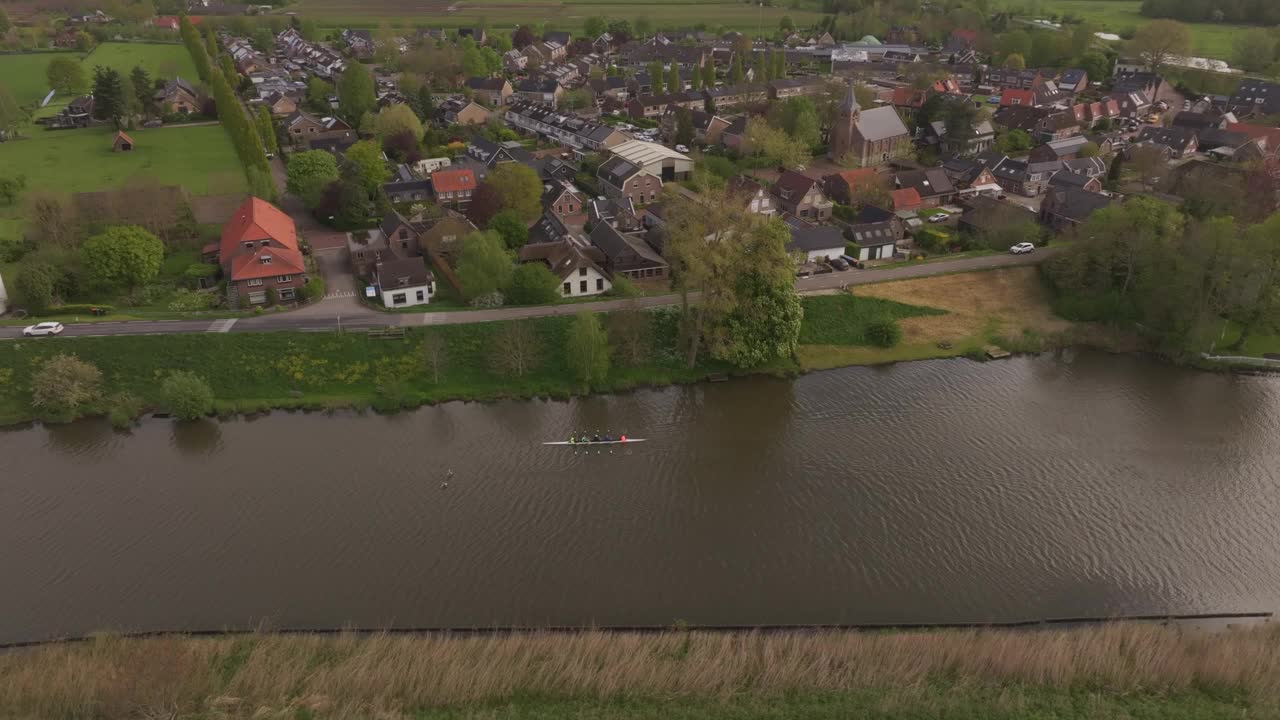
25, 74
1210, 40
200, 159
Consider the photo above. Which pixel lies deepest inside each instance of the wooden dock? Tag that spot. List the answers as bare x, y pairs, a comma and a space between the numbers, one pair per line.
995, 353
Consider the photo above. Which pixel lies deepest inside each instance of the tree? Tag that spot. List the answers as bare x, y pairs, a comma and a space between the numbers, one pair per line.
1114, 172
513, 231
64, 385
122, 256
674, 83
403, 147
66, 75
423, 105
765, 324
798, 118
368, 168
1259, 275
518, 189
774, 144
587, 349
484, 265
356, 94
1095, 64
1254, 50
142, 88
51, 219
1160, 41
12, 115
186, 396
533, 284
473, 63
736, 73
1015, 62
621, 31
1148, 162
484, 205
629, 334
266, 129
1013, 142
643, 26
786, 24
35, 285
108, 95
657, 78
576, 99
1017, 42
1089, 149
708, 75
211, 44
684, 126
514, 349
309, 173
695, 79
343, 203
595, 26
318, 92
760, 68
522, 37
779, 62
12, 187
394, 119
5, 23
435, 355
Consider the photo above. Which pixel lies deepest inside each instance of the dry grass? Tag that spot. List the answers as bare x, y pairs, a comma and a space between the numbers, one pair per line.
386, 675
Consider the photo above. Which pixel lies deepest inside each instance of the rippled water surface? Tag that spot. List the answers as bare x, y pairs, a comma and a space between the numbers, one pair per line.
940, 491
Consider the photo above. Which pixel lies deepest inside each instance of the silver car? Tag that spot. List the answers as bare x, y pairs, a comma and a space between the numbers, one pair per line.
43, 329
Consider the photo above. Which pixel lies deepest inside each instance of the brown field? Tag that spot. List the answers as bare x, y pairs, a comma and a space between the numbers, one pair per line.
392, 676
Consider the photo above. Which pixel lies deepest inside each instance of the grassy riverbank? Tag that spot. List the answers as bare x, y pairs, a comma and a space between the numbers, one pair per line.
1115, 671
250, 372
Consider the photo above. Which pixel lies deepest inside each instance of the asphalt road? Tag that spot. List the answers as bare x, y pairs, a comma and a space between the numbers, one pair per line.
342, 313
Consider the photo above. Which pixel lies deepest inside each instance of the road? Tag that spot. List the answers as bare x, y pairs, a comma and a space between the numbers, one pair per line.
342, 313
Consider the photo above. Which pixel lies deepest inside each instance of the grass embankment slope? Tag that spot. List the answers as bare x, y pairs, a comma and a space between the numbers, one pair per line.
1113, 16
1115, 671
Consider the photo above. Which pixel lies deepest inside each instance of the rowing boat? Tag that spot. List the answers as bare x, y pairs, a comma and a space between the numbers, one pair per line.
596, 442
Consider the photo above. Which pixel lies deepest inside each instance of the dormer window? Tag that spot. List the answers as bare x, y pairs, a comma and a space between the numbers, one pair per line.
265, 259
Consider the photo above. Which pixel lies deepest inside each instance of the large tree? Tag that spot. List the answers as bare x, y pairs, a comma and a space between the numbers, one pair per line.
368, 168
587, 349
64, 385
109, 102
775, 144
518, 189
356, 93
12, 115
395, 119
142, 88
124, 256
309, 173
66, 74
266, 129
1254, 50
533, 284
513, 230
1160, 41
484, 265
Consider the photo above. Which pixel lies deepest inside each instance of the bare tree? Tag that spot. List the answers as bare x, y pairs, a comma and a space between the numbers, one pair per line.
629, 333
1148, 162
52, 219
514, 349
434, 355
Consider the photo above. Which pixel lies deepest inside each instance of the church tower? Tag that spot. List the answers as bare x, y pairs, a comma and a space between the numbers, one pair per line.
842, 133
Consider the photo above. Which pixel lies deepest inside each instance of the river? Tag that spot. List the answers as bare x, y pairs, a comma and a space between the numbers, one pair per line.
941, 491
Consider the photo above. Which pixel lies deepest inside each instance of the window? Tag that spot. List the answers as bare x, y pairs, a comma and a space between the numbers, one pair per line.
265, 259
582, 272
257, 298
404, 233
421, 296
582, 286
567, 290
398, 299
248, 245
283, 278
287, 293
599, 284
255, 282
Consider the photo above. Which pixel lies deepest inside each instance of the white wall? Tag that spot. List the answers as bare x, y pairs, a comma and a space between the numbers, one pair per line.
431, 165
882, 252
575, 280
410, 295
816, 255
4, 297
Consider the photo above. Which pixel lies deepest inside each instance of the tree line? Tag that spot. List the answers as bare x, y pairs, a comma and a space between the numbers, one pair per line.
1251, 12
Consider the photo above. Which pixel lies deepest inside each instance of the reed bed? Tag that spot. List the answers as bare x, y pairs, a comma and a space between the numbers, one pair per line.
397, 675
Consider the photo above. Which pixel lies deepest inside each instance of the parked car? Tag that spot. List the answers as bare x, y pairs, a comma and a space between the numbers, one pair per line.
838, 264
42, 329
1022, 248
853, 261
938, 217
682, 148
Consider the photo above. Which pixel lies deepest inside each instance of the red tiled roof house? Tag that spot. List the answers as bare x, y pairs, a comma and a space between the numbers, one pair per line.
259, 253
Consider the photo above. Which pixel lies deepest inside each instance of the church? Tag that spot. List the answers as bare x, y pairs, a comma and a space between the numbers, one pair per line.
867, 137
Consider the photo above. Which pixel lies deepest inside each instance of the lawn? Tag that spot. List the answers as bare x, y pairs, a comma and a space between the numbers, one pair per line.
201, 159
25, 74
1209, 40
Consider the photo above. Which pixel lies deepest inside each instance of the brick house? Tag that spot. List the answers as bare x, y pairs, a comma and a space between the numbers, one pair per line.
802, 196
178, 97
453, 187
492, 91
622, 178
259, 254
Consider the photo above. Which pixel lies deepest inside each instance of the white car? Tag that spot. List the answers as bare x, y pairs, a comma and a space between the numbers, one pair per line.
44, 328
939, 217
1022, 248
682, 148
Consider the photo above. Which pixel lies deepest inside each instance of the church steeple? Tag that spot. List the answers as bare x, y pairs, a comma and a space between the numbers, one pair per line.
850, 104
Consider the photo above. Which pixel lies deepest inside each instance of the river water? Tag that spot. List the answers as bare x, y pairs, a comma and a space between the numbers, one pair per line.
1083, 484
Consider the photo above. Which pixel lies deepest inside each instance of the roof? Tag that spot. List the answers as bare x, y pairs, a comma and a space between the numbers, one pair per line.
880, 123
811, 239
615, 244
453, 180
905, 199
487, 83
120, 135
796, 183
1075, 203
412, 270
1269, 135
855, 177
642, 153
563, 257
618, 170
929, 182
1070, 179
257, 220
1015, 96
1174, 137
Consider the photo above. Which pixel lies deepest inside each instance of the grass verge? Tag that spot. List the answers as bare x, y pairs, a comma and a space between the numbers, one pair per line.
1111, 671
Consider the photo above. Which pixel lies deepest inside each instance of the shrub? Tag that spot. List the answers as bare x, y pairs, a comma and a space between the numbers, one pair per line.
34, 285
191, 301
884, 332
81, 309
199, 271
12, 249
122, 409
533, 284
623, 287
64, 385
186, 395
314, 289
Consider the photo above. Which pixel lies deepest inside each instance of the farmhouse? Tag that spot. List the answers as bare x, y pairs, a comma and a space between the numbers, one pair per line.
403, 282
178, 97
579, 268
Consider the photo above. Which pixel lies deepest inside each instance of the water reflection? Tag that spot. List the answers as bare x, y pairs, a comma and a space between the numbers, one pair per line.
195, 438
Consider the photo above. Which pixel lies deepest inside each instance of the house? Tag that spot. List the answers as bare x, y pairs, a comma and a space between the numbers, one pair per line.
905, 200
797, 87
707, 128
971, 177
981, 138
1024, 178
1133, 104
1067, 149
802, 196
1057, 126
580, 269
443, 235
1255, 97
813, 243
493, 92
178, 97
492, 154
1073, 180
359, 42
302, 126
620, 177
279, 104
367, 248
77, 113
610, 87
932, 185
1073, 80
724, 96
733, 136
514, 61
867, 137
1066, 207
403, 282
476, 34
563, 38
546, 91
453, 187
602, 44
430, 165
565, 201
1017, 96
1199, 121
655, 159
752, 195
627, 254
1268, 137
1093, 167
259, 254
876, 232
405, 186
984, 214
463, 112
579, 133
1180, 141
843, 185
121, 142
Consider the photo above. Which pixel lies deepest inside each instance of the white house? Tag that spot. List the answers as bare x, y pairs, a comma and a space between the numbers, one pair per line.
430, 165
578, 267
404, 282
812, 244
